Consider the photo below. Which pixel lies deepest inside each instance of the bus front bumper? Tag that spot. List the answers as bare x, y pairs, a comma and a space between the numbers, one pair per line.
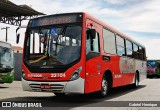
6, 77
76, 86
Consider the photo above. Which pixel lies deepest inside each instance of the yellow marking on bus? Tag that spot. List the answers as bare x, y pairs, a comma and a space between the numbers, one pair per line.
38, 59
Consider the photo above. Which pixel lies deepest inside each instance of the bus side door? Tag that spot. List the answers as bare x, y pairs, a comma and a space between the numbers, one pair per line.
93, 59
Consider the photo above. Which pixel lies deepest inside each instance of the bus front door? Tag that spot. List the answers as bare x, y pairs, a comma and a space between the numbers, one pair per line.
93, 59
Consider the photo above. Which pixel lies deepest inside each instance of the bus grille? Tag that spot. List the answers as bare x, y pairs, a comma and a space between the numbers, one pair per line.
54, 87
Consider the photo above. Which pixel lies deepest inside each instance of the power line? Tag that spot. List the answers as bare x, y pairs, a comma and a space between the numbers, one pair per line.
6, 28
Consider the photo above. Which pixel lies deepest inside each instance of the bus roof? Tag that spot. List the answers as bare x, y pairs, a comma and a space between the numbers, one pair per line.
5, 44
99, 22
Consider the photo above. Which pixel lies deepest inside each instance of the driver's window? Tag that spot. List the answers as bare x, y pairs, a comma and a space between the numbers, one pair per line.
92, 45
88, 45
96, 43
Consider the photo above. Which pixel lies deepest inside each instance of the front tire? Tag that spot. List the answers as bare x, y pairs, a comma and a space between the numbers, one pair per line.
104, 87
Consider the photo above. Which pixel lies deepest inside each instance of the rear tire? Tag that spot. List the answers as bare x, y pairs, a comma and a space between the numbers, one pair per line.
104, 87
136, 81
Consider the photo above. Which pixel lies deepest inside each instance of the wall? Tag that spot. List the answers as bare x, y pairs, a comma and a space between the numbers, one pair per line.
17, 66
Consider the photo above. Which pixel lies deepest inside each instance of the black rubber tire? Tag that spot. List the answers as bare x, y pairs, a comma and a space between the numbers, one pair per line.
104, 87
136, 81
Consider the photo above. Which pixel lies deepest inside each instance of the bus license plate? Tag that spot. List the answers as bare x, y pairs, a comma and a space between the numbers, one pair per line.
45, 86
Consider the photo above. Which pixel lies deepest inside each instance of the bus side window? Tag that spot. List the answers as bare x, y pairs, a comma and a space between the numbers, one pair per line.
144, 54
120, 45
140, 53
129, 49
109, 41
135, 51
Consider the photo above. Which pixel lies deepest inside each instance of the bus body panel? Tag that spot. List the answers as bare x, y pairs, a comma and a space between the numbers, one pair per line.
7, 77
94, 74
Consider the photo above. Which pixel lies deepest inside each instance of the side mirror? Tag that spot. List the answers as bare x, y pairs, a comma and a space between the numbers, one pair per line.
17, 39
91, 33
18, 35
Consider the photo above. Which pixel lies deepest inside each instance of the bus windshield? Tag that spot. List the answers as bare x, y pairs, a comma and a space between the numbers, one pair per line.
6, 58
151, 64
47, 47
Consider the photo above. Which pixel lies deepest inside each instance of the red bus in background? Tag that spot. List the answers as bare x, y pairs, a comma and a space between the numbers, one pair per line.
77, 53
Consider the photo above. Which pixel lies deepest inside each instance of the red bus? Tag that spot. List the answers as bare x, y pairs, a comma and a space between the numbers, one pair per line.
77, 53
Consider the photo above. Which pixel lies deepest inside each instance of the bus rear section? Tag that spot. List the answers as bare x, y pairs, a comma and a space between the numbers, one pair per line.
76, 53
6, 63
153, 68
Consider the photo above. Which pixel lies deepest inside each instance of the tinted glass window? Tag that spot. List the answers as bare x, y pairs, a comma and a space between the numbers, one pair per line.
140, 53
135, 51
129, 49
120, 51
120, 46
128, 45
129, 53
135, 47
109, 42
120, 41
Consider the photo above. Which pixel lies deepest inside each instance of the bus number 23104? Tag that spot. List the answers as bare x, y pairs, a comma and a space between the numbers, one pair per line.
58, 75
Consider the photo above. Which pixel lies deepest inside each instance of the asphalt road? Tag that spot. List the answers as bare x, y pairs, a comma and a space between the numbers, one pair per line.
148, 90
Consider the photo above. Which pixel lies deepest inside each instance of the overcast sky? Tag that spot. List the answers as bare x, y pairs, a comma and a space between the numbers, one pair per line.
139, 19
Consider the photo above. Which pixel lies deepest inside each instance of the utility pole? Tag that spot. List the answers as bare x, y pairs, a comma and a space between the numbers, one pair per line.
6, 28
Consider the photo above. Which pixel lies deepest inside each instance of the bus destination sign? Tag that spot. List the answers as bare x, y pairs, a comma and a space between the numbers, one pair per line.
55, 19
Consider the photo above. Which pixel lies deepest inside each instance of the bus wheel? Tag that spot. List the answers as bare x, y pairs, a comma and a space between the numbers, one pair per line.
104, 87
136, 82
59, 94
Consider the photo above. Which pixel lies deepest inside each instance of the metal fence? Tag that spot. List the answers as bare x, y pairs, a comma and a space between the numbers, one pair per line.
17, 66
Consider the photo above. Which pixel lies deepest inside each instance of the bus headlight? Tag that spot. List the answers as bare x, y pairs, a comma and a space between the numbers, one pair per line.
3, 66
12, 73
23, 74
76, 74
